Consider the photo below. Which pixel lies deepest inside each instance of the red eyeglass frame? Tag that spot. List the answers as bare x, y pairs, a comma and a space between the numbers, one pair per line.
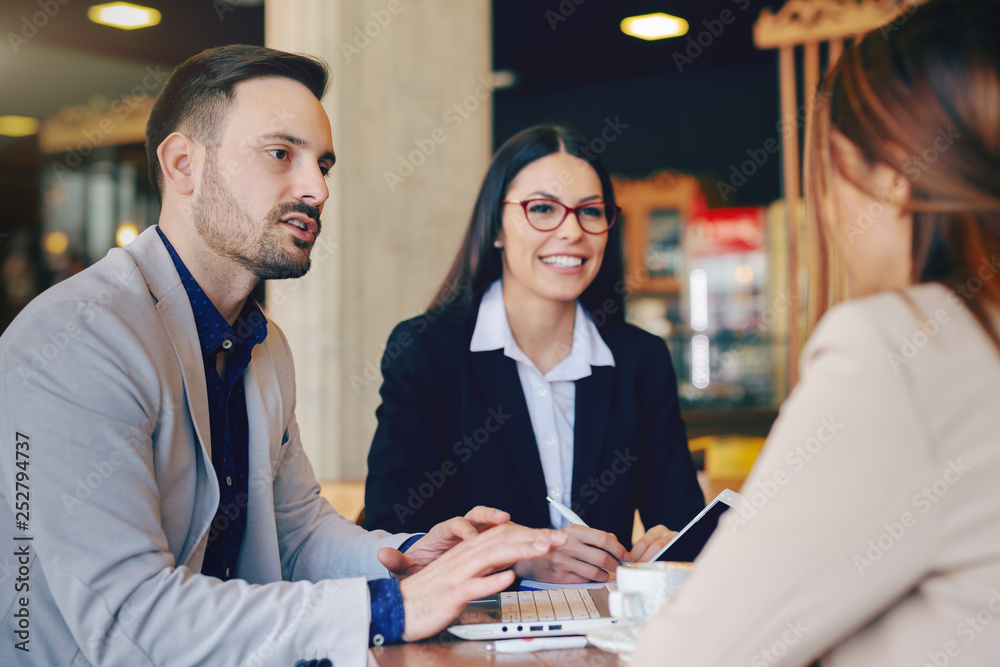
575, 211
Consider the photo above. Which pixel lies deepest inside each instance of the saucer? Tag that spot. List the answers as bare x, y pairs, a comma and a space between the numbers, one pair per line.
618, 638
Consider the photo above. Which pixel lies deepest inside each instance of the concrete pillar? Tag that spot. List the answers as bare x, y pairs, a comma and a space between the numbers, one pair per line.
409, 163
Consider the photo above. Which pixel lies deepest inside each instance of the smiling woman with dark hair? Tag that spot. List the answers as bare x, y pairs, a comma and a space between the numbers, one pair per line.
523, 379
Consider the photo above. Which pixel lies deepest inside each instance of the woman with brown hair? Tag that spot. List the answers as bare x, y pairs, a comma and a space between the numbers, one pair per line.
879, 542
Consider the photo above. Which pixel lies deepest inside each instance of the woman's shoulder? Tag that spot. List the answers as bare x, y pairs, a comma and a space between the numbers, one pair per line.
630, 338
930, 309
437, 327
926, 331
635, 348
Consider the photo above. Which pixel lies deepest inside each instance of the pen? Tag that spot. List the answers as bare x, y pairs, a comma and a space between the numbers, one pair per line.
536, 644
573, 517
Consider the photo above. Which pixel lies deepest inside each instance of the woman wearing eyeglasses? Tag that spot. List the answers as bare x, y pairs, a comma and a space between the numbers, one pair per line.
523, 381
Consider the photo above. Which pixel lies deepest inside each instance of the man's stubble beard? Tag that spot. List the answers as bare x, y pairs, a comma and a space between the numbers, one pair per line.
222, 223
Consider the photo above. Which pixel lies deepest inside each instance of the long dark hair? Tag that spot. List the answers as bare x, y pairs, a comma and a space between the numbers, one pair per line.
478, 263
922, 95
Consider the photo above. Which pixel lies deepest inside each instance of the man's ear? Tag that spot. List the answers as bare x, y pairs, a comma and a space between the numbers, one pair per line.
180, 157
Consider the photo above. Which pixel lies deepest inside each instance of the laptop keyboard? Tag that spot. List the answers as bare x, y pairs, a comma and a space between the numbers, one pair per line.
555, 605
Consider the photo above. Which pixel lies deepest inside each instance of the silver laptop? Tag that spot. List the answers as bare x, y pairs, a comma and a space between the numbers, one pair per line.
550, 613
576, 611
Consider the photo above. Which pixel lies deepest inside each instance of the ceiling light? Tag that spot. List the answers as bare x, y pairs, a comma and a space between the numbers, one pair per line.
654, 26
18, 126
744, 274
55, 243
124, 15
698, 284
127, 232
503, 78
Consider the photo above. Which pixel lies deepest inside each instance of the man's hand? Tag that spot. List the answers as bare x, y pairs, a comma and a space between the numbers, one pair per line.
439, 540
438, 593
650, 544
588, 555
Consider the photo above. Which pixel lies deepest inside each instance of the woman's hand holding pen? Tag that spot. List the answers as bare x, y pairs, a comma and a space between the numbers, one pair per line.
588, 555
650, 543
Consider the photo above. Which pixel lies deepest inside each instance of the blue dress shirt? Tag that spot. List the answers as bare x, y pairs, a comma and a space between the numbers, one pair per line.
227, 411
228, 416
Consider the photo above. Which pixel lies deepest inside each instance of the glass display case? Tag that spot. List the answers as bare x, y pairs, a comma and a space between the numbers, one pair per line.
710, 284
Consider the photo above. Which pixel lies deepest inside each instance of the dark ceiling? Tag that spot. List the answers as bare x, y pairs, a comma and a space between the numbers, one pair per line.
694, 103
548, 43
556, 43
187, 27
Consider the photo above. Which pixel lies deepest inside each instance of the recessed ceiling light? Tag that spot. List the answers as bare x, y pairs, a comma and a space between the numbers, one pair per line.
654, 26
18, 126
127, 232
504, 78
55, 243
124, 15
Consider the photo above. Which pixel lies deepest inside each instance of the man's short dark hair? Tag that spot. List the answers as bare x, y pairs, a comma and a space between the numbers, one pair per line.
196, 97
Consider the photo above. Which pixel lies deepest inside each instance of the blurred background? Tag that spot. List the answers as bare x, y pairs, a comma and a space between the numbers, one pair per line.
691, 126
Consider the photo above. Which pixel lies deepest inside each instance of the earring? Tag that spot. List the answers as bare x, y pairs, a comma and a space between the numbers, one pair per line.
497, 244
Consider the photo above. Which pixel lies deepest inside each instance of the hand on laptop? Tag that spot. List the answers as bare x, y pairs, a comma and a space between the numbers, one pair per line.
438, 593
440, 539
650, 544
586, 556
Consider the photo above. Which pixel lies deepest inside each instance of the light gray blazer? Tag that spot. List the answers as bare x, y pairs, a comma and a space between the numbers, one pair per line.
103, 380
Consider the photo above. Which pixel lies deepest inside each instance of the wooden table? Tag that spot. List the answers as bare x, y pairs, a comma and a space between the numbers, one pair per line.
445, 649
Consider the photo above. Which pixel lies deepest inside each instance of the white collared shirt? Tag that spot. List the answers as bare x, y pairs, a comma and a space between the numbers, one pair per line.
551, 397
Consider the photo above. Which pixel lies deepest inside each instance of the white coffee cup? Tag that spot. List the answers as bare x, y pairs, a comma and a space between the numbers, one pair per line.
644, 587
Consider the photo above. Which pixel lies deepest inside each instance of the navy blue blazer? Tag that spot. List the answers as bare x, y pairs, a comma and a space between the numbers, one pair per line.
454, 432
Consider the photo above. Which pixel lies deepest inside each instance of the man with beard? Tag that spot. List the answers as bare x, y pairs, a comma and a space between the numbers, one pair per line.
156, 495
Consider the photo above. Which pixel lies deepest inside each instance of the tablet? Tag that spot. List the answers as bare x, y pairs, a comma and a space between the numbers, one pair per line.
688, 543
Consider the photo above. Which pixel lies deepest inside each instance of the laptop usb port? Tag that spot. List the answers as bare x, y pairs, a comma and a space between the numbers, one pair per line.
555, 627
537, 628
